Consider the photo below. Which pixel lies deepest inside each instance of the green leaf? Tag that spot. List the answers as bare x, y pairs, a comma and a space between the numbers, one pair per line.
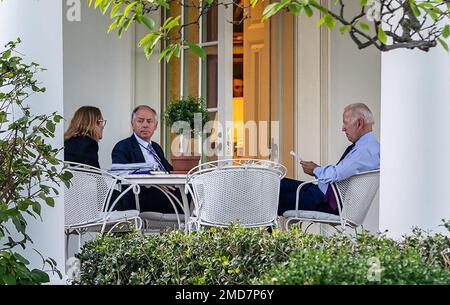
19, 224
50, 126
39, 276
127, 23
364, 26
37, 208
3, 117
50, 201
13, 212
295, 8
308, 11
163, 53
197, 50
414, 9
147, 39
97, 3
345, 28
114, 9
446, 31
319, 7
128, 8
273, 8
149, 23
65, 178
9, 279
443, 44
171, 23
320, 21
105, 6
329, 21
6, 54
57, 118
382, 37
21, 259
113, 25
432, 13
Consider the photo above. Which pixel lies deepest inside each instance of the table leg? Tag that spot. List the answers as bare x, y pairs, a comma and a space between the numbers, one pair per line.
186, 208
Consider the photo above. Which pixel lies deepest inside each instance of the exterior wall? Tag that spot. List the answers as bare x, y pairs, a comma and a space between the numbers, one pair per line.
39, 25
414, 129
308, 93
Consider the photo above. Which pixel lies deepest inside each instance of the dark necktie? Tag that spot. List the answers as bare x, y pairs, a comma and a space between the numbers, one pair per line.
329, 195
152, 151
347, 150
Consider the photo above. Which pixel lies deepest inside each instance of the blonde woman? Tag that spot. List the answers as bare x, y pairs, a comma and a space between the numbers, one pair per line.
82, 136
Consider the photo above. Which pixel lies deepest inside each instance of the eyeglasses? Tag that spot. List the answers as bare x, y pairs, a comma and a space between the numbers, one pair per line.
102, 122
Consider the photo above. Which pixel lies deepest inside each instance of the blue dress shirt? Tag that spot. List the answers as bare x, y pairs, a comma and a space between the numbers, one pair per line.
364, 156
149, 154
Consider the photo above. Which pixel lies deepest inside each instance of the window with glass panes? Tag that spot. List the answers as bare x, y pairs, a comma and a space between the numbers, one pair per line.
190, 75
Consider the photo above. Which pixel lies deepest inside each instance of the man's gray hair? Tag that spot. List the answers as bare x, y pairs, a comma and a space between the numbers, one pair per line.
360, 110
133, 114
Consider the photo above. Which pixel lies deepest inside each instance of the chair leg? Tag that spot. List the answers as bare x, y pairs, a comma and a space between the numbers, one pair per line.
67, 245
80, 239
306, 230
278, 223
286, 224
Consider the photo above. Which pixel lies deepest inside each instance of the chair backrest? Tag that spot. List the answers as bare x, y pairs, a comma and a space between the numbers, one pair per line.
356, 195
243, 191
88, 194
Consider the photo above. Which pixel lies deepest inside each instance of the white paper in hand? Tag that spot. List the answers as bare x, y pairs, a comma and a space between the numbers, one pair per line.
295, 155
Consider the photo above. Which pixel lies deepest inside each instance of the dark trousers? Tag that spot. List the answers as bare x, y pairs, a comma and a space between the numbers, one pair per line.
311, 197
150, 199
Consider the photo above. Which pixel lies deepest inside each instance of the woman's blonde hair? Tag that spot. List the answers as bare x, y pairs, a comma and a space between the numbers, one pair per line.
83, 123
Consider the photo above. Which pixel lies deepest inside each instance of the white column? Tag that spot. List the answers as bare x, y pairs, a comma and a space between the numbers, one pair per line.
415, 146
39, 25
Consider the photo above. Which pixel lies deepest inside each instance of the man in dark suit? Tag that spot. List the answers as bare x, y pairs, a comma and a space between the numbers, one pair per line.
140, 149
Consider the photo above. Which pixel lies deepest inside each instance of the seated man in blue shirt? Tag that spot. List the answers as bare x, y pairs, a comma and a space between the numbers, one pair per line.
363, 155
139, 148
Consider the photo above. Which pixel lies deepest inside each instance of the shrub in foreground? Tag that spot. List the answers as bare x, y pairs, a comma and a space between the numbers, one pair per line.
215, 256
251, 256
372, 259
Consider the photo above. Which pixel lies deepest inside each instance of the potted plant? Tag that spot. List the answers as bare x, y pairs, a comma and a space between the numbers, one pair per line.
186, 118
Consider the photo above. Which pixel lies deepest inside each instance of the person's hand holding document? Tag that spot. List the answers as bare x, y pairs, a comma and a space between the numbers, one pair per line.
308, 166
295, 156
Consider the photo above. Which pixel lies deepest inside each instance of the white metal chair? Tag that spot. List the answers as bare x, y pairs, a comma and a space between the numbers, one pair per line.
353, 195
88, 206
243, 191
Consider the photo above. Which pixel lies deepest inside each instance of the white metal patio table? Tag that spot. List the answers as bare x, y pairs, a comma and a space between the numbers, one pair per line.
158, 180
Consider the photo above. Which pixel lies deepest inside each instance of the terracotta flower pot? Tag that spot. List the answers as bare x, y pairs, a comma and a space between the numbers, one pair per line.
183, 164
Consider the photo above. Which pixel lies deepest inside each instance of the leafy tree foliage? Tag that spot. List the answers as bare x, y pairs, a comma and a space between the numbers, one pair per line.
384, 24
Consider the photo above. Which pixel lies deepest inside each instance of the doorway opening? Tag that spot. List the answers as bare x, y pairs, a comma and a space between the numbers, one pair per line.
238, 78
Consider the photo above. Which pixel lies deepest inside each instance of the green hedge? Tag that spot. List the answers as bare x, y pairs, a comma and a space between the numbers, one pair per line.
251, 256
370, 260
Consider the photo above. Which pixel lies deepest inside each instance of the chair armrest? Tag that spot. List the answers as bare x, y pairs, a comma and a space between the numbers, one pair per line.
297, 196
